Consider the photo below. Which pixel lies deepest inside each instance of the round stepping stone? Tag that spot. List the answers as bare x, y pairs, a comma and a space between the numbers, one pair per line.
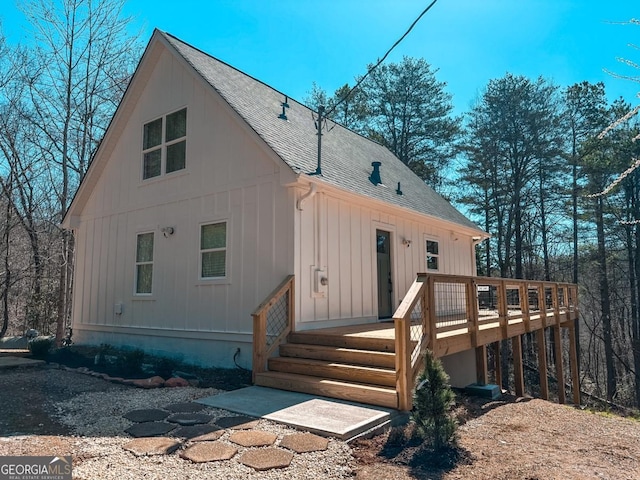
185, 407
266, 458
150, 429
141, 447
208, 437
237, 423
253, 438
209, 452
186, 419
194, 431
146, 415
304, 442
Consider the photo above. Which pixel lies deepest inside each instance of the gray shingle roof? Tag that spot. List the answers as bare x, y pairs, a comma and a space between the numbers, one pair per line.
346, 156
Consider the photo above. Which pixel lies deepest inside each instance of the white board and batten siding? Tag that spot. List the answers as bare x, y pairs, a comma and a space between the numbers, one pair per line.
228, 177
338, 236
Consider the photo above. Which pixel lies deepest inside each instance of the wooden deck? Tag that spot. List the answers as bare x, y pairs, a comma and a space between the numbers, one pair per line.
377, 363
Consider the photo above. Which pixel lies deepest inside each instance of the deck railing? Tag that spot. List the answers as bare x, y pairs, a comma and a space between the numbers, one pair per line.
450, 314
273, 320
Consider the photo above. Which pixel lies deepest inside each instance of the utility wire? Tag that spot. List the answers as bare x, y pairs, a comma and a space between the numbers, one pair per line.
328, 112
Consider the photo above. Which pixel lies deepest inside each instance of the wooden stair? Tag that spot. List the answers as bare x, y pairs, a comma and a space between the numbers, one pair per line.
354, 368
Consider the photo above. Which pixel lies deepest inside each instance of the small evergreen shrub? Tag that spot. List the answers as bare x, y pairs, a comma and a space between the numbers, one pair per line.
40, 346
130, 361
432, 402
164, 366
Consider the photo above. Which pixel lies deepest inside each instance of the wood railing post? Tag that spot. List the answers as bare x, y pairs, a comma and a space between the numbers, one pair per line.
503, 313
292, 305
431, 305
557, 344
259, 343
404, 381
542, 306
524, 305
472, 310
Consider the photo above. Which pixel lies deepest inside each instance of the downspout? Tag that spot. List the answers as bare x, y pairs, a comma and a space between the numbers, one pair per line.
313, 188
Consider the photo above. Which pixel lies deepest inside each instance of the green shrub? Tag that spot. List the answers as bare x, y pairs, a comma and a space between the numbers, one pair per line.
164, 366
432, 402
40, 346
131, 361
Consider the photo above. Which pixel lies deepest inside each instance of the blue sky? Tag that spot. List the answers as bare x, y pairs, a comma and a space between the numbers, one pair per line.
291, 43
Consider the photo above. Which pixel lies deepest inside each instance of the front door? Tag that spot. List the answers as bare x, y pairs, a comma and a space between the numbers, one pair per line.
385, 284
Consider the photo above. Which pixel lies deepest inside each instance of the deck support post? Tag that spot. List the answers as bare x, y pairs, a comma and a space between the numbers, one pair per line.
573, 362
518, 372
542, 364
557, 340
482, 378
497, 365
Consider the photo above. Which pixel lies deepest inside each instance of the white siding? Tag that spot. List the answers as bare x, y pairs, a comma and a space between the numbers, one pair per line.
338, 235
228, 177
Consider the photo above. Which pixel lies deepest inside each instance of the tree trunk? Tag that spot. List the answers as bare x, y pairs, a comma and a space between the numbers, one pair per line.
605, 303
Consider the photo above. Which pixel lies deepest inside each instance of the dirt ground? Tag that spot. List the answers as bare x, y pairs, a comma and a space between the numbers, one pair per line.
507, 439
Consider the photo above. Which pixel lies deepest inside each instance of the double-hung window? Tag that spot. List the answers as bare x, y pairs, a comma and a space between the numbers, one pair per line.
144, 264
164, 145
213, 250
433, 255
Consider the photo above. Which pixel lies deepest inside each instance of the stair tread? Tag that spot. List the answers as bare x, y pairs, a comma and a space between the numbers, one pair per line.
312, 361
321, 380
341, 349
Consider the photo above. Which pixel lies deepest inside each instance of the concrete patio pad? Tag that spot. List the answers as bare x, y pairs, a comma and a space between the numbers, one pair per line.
324, 416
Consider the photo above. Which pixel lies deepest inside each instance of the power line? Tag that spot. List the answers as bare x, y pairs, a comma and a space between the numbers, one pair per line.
328, 112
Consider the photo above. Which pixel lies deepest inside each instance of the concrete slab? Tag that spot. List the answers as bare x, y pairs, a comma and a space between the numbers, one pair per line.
323, 416
16, 362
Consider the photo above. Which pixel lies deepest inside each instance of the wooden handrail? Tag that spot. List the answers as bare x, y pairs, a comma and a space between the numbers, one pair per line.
262, 351
448, 331
404, 348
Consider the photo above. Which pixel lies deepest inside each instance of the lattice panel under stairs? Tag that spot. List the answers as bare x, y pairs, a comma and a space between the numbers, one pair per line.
277, 318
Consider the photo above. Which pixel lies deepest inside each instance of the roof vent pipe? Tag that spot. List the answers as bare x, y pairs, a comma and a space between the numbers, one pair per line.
399, 190
375, 175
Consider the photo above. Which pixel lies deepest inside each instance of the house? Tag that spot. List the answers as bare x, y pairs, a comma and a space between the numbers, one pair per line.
203, 196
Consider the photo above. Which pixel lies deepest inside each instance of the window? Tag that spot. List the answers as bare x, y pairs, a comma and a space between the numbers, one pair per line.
432, 255
164, 145
213, 250
144, 263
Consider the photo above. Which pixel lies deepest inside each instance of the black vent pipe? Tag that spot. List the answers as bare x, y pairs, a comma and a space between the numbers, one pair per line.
375, 175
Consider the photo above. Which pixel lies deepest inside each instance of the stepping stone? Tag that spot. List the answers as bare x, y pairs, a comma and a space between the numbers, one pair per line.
186, 419
209, 452
146, 415
194, 431
253, 438
150, 429
208, 437
266, 458
304, 442
237, 423
141, 447
185, 407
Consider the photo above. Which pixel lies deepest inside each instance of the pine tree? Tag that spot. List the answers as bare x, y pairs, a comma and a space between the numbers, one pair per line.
433, 399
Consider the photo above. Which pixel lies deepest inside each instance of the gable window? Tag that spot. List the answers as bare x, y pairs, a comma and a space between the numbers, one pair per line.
144, 263
164, 144
213, 250
433, 255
